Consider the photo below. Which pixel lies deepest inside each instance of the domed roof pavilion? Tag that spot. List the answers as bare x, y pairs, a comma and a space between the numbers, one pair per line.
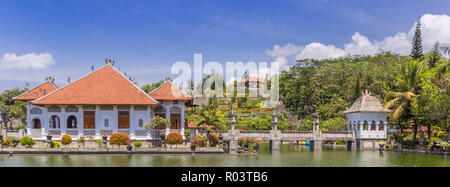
368, 118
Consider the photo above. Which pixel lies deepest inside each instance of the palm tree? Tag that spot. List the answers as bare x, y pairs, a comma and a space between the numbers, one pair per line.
400, 101
210, 118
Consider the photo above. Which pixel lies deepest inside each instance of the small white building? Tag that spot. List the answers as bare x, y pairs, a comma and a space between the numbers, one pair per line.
102, 102
368, 118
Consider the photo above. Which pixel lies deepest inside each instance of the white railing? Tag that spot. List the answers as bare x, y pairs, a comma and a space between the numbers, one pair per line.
347, 135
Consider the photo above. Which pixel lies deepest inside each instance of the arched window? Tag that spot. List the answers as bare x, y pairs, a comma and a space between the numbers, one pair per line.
366, 126
381, 126
54, 122
373, 126
141, 123
106, 123
72, 122
161, 112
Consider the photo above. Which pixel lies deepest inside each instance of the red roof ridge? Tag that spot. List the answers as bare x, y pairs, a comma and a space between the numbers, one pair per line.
31, 90
133, 83
172, 85
90, 73
67, 84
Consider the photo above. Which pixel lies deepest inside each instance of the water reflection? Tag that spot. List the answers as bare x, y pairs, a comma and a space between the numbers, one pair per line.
289, 155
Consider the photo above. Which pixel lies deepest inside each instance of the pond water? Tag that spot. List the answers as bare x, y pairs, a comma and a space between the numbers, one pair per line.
290, 155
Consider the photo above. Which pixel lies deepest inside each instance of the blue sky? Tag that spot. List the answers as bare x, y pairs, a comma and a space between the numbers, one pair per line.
146, 37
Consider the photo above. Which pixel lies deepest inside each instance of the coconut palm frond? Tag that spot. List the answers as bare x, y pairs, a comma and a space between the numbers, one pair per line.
399, 111
392, 103
401, 83
410, 95
392, 95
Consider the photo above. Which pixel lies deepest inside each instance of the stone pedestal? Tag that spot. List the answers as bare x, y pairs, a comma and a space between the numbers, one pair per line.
317, 145
234, 136
351, 145
275, 137
275, 145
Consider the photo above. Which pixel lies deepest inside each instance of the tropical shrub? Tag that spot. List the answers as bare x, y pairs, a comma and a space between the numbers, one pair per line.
137, 144
66, 139
27, 141
54, 144
214, 139
157, 123
257, 141
119, 138
245, 140
174, 138
82, 140
202, 139
10, 141
21, 126
196, 141
99, 143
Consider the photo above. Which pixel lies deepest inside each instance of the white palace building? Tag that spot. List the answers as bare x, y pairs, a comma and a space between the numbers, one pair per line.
103, 102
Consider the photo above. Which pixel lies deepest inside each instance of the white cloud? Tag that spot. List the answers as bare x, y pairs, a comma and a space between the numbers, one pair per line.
320, 51
434, 28
27, 61
281, 54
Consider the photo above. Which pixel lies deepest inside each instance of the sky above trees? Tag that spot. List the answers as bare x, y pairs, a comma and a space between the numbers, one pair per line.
40, 38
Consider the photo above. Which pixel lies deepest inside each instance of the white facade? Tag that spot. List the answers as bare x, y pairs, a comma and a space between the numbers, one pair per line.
368, 125
58, 120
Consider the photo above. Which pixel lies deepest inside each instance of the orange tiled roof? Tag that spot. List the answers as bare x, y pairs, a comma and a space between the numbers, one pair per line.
37, 92
105, 86
170, 92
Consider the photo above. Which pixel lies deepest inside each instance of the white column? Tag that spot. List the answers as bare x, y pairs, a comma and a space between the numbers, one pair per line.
369, 126
63, 120
149, 113
132, 120
167, 117
80, 121
377, 125
182, 120
361, 126
114, 123
97, 122
46, 122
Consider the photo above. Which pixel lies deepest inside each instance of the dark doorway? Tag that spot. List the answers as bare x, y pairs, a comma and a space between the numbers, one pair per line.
36, 123
72, 122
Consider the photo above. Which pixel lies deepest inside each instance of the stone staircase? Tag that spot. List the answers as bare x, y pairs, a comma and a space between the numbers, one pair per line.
291, 117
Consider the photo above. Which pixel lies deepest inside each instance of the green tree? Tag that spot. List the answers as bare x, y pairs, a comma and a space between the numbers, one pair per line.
149, 88
417, 48
408, 83
435, 56
432, 106
209, 117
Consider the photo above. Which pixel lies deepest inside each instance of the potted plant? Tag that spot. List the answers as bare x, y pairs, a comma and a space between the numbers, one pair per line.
256, 145
241, 141
248, 140
381, 145
129, 146
195, 142
49, 136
